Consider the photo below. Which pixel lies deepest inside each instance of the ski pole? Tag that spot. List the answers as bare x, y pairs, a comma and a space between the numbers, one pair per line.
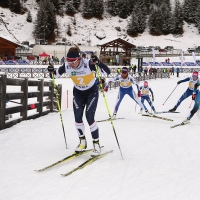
57, 99
135, 106
170, 95
111, 121
190, 104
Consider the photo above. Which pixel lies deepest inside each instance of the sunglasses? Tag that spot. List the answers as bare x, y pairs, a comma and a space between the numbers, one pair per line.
124, 72
72, 62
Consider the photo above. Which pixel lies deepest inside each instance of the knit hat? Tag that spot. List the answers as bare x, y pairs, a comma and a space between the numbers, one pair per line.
124, 70
195, 74
71, 56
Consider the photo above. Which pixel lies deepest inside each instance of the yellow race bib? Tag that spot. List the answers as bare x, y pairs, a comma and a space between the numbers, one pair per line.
125, 84
83, 80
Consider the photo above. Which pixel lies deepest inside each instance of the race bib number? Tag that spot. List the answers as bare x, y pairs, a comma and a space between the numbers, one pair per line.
145, 92
125, 84
83, 80
191, 85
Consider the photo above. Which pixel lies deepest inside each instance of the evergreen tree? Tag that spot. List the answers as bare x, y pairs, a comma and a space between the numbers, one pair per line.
141, 21
113, 7
197, 17
190, 8
58, 4
29, 17
45, 23
88, 9
15, 6
70, 10
132, 29
155, 22
166, 18
177, 19
4, 3
98, 8
76, 4
124, 7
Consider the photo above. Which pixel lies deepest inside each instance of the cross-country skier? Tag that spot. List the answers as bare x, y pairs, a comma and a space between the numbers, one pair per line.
85, 93
196, 98
145, 89
126, 81
192, 81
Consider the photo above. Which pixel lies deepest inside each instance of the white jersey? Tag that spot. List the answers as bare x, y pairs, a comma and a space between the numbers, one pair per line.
124, 83
82, 76
192, 83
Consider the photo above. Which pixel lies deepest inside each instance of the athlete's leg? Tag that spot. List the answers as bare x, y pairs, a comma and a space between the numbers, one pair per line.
185, 95
120, 96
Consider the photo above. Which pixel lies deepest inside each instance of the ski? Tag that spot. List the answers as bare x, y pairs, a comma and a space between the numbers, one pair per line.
165, 112
87, 162
104, 120
72, 156
180, 124
155, 116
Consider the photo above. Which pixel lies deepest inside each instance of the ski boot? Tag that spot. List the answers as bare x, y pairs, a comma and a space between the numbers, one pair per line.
186, 121
173, 109
97, 148
148, 113
82, 145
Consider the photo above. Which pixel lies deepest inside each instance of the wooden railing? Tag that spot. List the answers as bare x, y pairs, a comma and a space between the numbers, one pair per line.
42, 100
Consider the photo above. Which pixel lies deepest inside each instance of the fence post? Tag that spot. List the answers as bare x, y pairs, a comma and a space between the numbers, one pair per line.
40, 97
3, 80
51, 96
24, 100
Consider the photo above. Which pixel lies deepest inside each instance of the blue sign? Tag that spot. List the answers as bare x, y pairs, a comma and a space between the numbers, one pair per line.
22, 62
9, 62
144, 64
198, 63
2, 63
154, 64
177, 63
190, 64
166, 64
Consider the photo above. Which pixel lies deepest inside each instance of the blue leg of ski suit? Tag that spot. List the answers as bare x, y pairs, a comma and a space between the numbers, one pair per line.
143, 98
196, 106
131, 93
185, 95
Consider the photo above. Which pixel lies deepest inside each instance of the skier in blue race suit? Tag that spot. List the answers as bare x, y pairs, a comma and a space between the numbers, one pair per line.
126, 81
145, 89
192, 81
196, 98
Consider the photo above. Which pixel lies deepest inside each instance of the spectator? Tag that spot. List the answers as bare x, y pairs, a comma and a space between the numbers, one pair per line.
172, 70
63, 60
150, 71
177, 71
140, 71
168, 72
168, 60
118, 71
145, 71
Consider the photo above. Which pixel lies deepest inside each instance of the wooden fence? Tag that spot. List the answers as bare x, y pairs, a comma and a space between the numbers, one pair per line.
42, 100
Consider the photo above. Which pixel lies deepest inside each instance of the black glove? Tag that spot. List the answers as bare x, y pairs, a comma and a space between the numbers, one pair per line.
178, 82
50, 68
94, 58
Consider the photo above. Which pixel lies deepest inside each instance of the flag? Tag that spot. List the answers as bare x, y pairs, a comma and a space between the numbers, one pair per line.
154, 56
194, 57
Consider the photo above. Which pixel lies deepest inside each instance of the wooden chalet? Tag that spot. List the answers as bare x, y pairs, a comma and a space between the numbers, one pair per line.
7, 47
115, 51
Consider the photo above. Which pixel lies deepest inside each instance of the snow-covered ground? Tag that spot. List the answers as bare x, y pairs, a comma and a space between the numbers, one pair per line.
159, 162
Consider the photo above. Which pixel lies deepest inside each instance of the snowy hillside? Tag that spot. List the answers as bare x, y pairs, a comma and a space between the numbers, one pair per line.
20, 30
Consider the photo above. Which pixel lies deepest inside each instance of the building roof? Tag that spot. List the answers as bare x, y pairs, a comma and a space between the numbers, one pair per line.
9, 39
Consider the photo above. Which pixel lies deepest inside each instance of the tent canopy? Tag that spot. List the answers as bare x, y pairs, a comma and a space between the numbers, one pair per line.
44, 55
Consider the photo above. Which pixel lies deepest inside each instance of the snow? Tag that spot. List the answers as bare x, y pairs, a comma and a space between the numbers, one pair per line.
159, 162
